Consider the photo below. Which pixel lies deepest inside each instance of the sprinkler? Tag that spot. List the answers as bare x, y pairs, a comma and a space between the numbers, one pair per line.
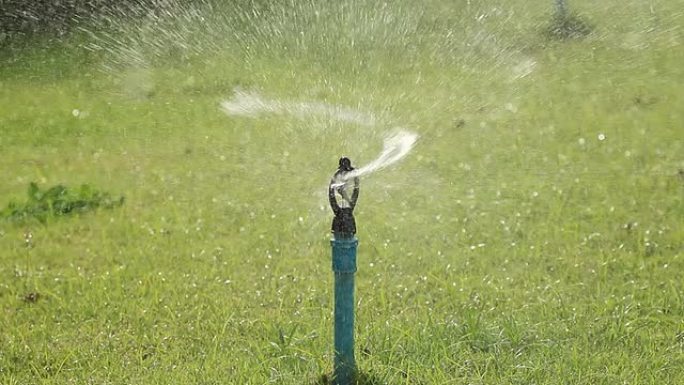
344, 245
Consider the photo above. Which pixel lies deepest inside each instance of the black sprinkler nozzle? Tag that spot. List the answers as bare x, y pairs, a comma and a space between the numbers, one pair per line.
345, 164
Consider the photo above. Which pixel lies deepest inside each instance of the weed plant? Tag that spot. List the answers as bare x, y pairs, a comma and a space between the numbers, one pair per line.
58, 201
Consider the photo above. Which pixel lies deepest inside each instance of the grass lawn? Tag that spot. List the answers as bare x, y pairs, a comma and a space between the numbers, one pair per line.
534, 235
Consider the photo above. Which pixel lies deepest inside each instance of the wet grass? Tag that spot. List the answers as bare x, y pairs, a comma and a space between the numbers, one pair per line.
534, 235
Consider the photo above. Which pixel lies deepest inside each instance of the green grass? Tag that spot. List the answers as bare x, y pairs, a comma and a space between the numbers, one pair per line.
512, 246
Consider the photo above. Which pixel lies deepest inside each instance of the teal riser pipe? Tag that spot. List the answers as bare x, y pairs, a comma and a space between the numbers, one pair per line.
344, 267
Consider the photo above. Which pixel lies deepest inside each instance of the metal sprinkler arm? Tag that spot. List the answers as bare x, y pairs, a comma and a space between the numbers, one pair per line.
333, 200
355, 194
343, 222
331, 197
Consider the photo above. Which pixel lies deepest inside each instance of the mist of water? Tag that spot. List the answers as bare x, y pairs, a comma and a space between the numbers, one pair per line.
396, 145
251, 104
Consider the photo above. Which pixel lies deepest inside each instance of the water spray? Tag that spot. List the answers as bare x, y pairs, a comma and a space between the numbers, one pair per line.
251, 104
395, 147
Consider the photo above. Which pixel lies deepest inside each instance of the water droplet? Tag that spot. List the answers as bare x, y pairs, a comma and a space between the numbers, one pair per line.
511, 107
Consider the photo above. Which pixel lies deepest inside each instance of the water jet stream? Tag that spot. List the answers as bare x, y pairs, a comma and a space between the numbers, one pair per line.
395, 146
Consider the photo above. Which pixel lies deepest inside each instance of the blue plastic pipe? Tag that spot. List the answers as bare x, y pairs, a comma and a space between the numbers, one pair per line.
344, 267
561, 9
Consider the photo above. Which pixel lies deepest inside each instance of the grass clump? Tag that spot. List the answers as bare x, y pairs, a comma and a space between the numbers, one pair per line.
565, 25
58, 201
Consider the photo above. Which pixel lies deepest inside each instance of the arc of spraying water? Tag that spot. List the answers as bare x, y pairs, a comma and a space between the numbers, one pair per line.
395, 146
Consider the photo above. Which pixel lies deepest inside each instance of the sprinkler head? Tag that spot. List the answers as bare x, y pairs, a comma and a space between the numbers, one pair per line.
343, 224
